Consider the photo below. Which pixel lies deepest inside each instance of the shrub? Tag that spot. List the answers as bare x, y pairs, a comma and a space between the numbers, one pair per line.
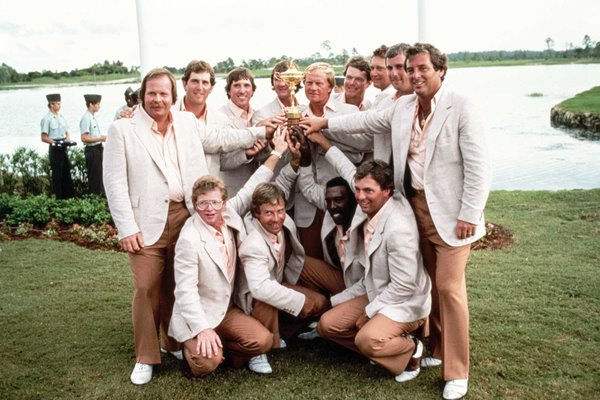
40, 210
28, 173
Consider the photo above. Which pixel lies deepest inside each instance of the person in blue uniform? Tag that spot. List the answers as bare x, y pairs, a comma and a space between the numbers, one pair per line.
55, 132
92, 140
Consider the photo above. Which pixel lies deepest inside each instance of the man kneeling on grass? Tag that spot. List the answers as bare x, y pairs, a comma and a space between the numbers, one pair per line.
377, 316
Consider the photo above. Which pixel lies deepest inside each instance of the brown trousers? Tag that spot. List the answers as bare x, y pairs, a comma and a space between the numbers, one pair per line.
242, 336
154, 285
449, 318
289, 325
321, 277
381, 339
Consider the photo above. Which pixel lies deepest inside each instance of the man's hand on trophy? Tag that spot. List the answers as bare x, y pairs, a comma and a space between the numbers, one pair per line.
294, 147
280, 140
297, 136
256, 148
271, 125
313, 124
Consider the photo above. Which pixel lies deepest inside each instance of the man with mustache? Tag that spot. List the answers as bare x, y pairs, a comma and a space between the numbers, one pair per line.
151, 161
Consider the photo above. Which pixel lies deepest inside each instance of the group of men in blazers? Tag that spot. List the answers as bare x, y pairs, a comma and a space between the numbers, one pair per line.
393, 236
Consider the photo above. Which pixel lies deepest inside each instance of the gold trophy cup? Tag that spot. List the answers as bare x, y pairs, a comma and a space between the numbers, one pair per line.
292, 77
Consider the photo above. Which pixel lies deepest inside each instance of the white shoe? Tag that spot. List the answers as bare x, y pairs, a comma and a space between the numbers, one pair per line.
141, 374
430, 362
282, 344
260, 364
413, 368
407, 375
455, 389
310, 335
178, 354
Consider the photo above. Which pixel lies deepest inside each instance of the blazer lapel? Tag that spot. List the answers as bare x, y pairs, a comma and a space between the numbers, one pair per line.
401, 136
144, 132
181, 145
210, 245
442, 110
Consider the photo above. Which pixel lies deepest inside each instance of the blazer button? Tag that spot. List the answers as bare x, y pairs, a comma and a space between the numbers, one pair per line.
166, 201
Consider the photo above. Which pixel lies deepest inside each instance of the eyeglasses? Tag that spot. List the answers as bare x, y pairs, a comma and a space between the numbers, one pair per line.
203, 204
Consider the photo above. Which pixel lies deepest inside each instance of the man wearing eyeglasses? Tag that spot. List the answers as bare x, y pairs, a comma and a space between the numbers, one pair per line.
205, 317
150, 164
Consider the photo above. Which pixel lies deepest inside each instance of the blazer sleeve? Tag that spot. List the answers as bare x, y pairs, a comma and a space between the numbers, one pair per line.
286, 180
222, 139
233, 159
476, 164
374, 121
342, 165
241, 201
114, 170
255, 261
358, 289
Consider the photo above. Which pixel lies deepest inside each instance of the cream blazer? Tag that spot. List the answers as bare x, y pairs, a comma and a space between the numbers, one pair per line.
202, 290
395, 280
458, 171
260, 264
134, 172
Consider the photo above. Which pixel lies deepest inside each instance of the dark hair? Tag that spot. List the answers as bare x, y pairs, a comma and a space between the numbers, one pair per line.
283, 66
265, 193
157, 73
361, 64
397, 49
380, 51
339, 181
198, 66
237, 74
438, 59
379, 170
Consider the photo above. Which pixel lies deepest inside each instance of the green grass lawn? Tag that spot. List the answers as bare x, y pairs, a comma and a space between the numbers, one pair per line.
588, 101
535, 324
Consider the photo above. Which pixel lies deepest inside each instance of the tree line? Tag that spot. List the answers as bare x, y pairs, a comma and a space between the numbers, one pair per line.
9, 75
589, 49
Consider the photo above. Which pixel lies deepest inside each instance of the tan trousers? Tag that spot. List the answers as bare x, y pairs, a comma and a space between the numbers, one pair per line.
154, 285
381, 339
289, 325
242, 336
322, 277
449, 318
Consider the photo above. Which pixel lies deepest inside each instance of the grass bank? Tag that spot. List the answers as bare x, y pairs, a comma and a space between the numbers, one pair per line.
76, 80
534, 309
588, 101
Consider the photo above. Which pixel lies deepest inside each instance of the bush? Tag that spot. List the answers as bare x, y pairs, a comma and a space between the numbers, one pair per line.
27, 173
42, 209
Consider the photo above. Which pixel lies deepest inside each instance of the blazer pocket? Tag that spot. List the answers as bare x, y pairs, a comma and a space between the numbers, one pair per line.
135, 201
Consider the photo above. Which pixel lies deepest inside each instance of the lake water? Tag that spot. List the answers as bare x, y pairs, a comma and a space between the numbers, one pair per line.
527, 152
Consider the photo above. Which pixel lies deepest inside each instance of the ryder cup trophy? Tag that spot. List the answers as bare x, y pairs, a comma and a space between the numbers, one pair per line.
292, 77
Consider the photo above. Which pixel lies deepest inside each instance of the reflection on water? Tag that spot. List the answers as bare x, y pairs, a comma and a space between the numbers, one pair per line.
527, 152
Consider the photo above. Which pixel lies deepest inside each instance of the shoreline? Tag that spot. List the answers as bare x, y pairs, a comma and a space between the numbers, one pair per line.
258, 74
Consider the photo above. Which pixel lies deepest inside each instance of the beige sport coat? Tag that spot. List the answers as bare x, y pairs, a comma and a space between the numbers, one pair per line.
202, 290
457, 166
260, 264
134, 173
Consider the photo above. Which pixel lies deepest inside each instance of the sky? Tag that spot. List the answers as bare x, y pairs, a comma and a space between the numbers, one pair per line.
61, 35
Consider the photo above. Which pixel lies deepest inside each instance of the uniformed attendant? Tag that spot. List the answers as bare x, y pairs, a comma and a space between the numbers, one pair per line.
92, 139
55, 132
